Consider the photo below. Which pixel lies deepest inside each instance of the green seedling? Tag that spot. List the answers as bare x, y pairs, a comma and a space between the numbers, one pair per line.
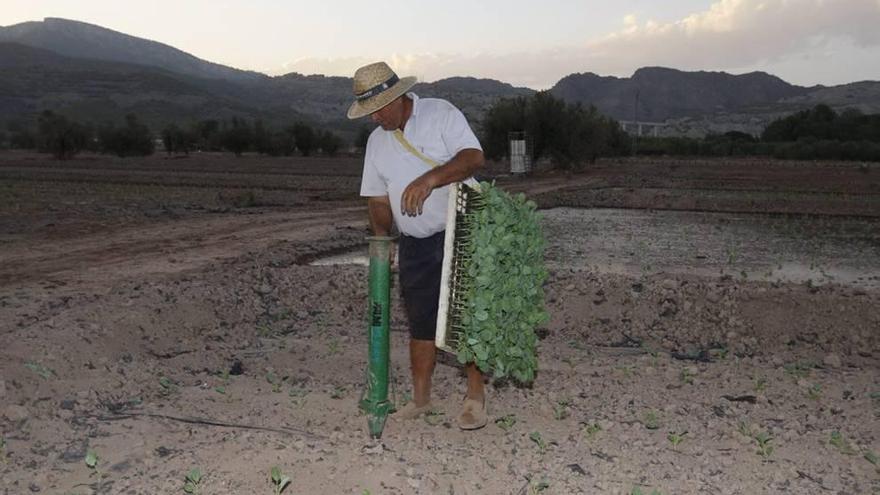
744, 428
298, 396
39, 369
506, 422
798, 369
192, 481
536, 487
675, 439
433, 417
651, 420
627, 371
840, 443
3, 450
92, 463
276, 382
220, 389
638, 491
589, 430
264, 331
574, 344
539, 441
167, 385
687, 377
872, 458
279, 480
560, 410
764, 448
760, 383
815, 392
338, 392
333, 347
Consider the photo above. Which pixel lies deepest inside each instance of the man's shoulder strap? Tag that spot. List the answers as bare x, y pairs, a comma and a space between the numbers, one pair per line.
398, 134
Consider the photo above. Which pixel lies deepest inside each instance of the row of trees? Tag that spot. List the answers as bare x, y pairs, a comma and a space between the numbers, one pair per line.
815, 134
569, 134
239, 136
64, 138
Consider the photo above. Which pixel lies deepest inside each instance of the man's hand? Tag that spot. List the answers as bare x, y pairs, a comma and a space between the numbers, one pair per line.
416, 193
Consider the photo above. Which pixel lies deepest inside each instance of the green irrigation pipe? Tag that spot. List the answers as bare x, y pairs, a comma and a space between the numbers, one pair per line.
375, 402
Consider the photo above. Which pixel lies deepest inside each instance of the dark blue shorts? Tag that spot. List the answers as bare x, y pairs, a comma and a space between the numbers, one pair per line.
421, 263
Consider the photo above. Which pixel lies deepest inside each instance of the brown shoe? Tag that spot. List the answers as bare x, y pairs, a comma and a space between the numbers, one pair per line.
412, 411
473, 415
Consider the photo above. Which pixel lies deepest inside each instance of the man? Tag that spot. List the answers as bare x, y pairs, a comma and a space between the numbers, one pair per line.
403, 188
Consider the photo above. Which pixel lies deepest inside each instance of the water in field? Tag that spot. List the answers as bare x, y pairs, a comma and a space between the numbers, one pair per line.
745, 246
751, 246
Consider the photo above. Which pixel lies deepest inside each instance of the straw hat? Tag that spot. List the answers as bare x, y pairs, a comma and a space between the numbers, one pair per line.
375, 86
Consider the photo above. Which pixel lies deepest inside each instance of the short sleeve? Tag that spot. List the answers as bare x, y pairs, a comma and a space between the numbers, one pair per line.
372, 183
457, 134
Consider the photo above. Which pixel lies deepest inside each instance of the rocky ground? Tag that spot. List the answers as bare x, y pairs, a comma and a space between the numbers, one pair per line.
208, 340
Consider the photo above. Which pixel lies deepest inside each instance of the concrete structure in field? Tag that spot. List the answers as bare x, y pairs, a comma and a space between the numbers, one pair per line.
520, 152
640, 128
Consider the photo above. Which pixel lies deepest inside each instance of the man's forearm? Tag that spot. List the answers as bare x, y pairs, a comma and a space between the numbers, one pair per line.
463, 165
381, 217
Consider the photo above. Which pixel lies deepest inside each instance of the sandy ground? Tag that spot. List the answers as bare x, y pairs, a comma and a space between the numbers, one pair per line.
175, 321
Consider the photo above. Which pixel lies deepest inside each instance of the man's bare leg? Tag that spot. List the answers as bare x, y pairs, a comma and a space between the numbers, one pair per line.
422, 356
474, 383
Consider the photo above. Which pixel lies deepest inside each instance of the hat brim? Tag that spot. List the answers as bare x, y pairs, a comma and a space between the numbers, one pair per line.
360, 109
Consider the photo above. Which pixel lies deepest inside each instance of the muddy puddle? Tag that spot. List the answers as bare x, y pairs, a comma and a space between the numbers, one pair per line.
773, 248
796, 249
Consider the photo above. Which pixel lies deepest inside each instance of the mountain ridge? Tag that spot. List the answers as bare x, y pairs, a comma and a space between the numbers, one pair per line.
92, 74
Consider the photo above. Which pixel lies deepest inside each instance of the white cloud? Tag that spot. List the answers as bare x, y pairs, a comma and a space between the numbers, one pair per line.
730, 35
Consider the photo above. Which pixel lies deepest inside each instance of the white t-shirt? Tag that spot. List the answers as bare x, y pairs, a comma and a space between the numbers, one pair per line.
439, 131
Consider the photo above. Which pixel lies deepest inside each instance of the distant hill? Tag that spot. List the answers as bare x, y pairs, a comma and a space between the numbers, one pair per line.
93, 73
82, 40
668, 93
33, 79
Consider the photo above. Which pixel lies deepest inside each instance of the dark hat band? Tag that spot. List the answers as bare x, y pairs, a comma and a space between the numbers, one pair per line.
375, 90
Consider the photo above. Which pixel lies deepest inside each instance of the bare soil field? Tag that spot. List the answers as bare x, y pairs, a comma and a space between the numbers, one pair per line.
714, 329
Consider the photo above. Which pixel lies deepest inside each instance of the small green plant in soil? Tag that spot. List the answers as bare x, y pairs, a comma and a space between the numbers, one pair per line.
560, 410
338, 392
506, 422
167, 386
638, 491
763, 439
651, 420
538, 486
39, 369
279, 480
92, 463
675, 439
744, 428
433, 417
589, 430
871, 457
298, 396
3, 450
760, 384
840, 443
815, 392
539, 441
687, 377
193, 481
273, 380
333, 347
798, 369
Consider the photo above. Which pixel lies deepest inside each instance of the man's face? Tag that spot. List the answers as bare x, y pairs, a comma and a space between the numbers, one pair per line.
390, 116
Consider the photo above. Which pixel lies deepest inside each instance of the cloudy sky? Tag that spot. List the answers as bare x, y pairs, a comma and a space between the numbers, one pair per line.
523, 42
